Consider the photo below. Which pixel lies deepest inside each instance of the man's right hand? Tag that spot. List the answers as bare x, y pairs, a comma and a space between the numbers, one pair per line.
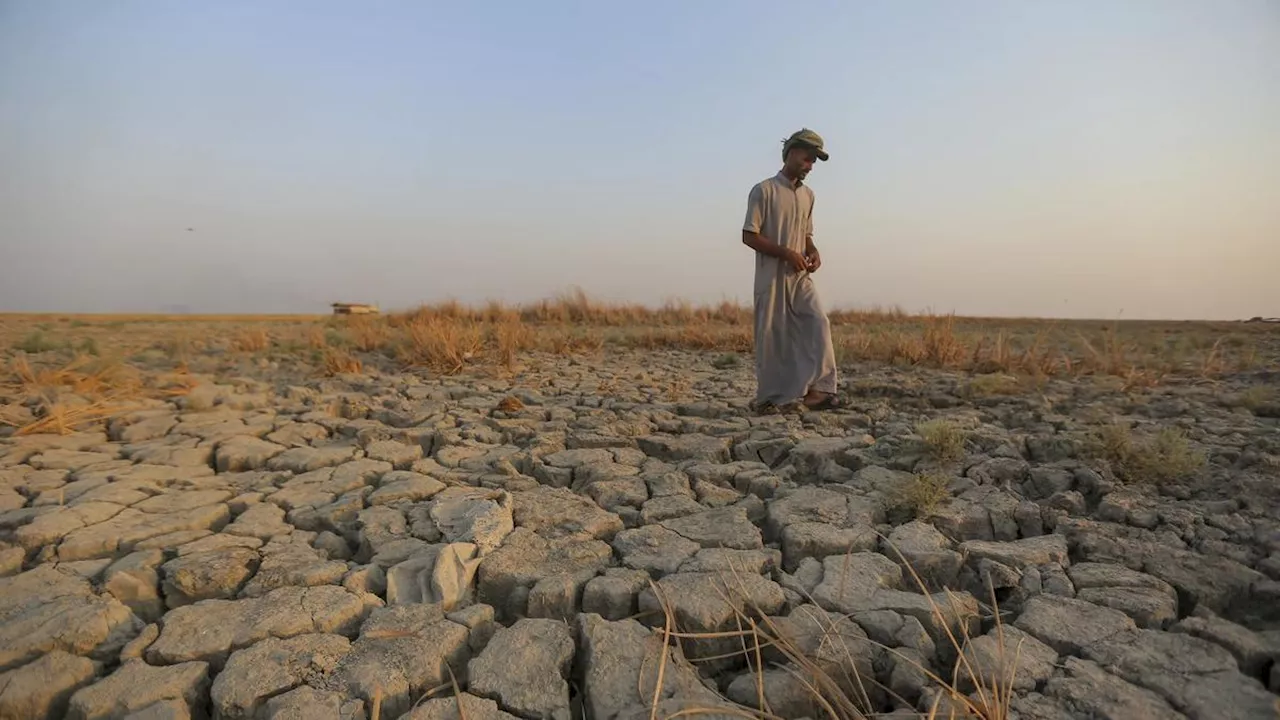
788, 256
796, 260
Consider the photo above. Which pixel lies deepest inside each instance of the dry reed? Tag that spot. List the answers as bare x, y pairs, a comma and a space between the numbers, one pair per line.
251, 340
85, 391
835, 686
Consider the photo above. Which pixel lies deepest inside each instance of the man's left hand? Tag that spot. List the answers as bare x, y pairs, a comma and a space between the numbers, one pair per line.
814, 261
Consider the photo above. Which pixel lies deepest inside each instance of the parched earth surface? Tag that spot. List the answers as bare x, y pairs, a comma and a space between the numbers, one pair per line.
267, 548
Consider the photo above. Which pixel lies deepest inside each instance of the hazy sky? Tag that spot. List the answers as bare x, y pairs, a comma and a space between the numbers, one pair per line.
1096, 158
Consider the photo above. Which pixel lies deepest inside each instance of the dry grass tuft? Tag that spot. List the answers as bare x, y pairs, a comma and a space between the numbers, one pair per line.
84, 392
511, 338
36, 342
825, 662
570, 341
181, 346
943, 440
941, 346
90, 377
440, 343
251, 340
922, 495
176, 384
341, 362
1166, 456
994, 384
368, 334
1257, 398
316, 338
1110, 355
61, 419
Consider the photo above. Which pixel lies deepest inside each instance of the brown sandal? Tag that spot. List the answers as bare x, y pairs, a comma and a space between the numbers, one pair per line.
828, 402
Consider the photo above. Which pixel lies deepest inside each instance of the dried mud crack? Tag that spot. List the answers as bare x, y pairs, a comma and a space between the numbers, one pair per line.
520, 545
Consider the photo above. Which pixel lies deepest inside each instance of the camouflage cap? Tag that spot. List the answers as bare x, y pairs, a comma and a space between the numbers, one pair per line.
808, 138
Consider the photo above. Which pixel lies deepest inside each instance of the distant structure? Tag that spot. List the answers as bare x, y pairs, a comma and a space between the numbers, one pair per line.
354, 309
1263, 320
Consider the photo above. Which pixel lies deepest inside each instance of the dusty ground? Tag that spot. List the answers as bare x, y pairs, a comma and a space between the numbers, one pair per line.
501, 511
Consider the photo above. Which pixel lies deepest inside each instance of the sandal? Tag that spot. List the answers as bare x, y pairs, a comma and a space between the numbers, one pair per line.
769, 408
765, 408
828, 402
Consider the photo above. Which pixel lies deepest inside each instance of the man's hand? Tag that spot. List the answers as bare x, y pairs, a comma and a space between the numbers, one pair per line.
813, 261
797, 261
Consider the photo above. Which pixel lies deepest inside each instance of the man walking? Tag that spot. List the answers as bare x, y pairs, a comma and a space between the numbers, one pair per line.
795, 359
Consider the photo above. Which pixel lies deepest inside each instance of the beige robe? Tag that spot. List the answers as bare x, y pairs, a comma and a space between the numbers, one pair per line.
793, 348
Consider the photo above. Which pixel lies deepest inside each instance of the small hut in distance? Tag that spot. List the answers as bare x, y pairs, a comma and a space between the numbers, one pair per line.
354, 309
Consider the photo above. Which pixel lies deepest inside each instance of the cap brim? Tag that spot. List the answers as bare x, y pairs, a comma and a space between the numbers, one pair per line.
817, 151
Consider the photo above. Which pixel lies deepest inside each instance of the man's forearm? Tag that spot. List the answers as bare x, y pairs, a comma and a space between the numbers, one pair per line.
760, 244
809, 247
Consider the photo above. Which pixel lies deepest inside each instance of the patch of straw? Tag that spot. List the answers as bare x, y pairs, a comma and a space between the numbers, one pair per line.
838, 688
100, 389
340, 362
247, 340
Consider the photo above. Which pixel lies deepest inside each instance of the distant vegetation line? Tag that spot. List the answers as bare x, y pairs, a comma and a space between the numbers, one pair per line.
576, 305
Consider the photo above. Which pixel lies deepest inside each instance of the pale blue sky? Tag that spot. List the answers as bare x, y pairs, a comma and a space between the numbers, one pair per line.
1005, 157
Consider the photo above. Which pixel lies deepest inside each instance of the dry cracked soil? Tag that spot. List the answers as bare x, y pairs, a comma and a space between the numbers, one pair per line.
408, 546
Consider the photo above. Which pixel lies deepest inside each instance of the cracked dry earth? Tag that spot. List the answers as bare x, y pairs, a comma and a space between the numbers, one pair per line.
262, 549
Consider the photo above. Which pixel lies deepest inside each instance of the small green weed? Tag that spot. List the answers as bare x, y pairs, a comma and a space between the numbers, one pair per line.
993, 384
1256, 397
727, 361
36, 342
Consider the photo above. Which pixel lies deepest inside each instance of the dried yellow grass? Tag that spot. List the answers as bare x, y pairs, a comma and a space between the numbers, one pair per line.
441, 343
316, 338
340, 362
368, 334
1140, 353
1162, 457
943, 440
449, 337
251, 340
85, 391
62, 420
840, 691
511, 338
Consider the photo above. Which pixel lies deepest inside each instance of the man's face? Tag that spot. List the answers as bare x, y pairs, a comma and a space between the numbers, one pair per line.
800, 161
